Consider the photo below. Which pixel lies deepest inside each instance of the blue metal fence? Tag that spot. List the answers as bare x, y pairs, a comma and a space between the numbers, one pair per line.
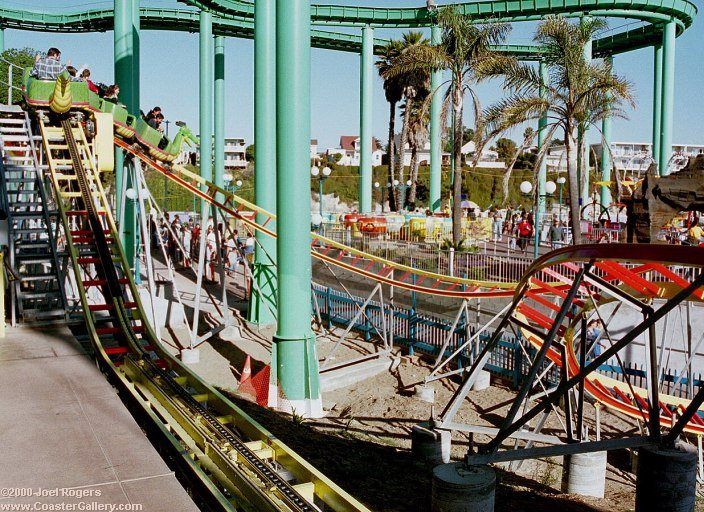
426, 334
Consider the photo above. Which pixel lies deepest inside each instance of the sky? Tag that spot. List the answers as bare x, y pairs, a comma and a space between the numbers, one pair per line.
169, 76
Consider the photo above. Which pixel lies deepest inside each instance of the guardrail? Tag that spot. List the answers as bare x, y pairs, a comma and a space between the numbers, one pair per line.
13, 79
425, 334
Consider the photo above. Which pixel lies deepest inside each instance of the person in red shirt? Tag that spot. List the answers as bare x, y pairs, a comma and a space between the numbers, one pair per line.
85, 76
525, 231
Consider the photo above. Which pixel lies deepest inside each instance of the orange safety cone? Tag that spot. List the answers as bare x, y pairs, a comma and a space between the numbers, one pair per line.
246, 370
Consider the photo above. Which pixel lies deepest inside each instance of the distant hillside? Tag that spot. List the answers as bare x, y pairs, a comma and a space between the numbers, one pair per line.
482, 186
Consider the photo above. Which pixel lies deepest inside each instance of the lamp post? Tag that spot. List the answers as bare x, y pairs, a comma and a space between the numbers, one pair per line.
381, 199
322, 176
229, 185
561, 181
526, 188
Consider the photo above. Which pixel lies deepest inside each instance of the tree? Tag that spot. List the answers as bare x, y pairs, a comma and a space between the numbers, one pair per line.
468, 134
578, 92
22, 58
393, 90
416, 88
463, 45
249, 153
528, 136
506, 148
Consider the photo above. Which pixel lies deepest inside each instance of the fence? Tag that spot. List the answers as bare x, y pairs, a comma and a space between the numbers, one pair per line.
426, 334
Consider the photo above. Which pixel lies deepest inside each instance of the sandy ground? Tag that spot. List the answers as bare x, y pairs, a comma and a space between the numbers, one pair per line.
363, 442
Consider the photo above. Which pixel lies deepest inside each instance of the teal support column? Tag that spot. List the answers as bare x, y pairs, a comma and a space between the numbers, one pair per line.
219, 108
605, 190
435, 131
205, 46
125, 70
135, 104
2, 39
294, 366
366, 81
668, 95
262, 301
657, 100
542, 170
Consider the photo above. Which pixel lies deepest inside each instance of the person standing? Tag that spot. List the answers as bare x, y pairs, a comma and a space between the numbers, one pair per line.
555, 235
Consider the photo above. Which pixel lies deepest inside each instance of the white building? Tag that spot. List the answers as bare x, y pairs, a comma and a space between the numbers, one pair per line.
349, 151
630, 157
489, 158
235, 153
423, 154
235, 149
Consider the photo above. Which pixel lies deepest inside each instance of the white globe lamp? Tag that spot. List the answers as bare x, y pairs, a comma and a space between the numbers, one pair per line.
550, 187
526, 187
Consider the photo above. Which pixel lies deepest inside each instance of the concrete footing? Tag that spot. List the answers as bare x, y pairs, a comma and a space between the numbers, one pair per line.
425, 393
460, 488
430, 445
483, 381
666, 480
190, 355
585, 474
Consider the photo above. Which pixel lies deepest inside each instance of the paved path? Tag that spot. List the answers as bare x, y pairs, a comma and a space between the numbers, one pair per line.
62, 426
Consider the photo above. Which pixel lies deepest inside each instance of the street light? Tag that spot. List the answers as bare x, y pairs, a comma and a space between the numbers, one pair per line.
229, 185
322, 176
561, 181
376, 186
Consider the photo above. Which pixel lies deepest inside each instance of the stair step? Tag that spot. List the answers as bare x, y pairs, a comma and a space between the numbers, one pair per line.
38, 277
39, 295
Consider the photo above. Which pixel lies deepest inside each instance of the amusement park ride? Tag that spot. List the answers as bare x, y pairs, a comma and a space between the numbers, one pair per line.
58, 200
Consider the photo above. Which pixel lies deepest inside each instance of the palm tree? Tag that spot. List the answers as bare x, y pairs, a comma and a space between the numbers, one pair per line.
417, 137
416, 87
578, 92
393, 89
462, 47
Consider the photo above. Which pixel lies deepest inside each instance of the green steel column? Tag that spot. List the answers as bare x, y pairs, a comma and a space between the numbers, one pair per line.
542, 170
219, 107
657, 100
294, 374
366, 81
435, 131
205, 45
2, 39
262, 303
605, 190
668, 95
135, 104
124, 55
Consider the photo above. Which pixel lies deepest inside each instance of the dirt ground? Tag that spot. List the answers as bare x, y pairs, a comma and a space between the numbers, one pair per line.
363, 443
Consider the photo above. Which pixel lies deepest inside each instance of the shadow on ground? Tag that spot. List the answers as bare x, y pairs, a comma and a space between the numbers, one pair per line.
386, 478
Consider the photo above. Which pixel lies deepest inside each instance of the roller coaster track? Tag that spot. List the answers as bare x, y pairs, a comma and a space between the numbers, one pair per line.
644, 277
324, 249
556, 298
231, 458
235, 18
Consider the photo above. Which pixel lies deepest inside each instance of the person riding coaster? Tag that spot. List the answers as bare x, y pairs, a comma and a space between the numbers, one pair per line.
62, 95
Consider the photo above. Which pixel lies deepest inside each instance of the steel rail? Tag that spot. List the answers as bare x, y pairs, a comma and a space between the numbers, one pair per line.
479, 289
269, 490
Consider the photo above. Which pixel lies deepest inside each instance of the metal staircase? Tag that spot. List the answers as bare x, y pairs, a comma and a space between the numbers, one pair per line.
38, 296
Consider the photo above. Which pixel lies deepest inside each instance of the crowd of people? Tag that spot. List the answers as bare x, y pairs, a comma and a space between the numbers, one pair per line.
181, 240
519, 229
49, 67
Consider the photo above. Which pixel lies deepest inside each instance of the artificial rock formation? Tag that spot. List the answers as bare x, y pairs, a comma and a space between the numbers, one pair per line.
657, 200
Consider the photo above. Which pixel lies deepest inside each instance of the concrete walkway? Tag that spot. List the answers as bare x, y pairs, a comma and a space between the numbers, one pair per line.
64, 431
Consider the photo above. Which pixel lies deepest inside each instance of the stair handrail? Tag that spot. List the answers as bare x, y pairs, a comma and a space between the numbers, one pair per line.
10, 78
